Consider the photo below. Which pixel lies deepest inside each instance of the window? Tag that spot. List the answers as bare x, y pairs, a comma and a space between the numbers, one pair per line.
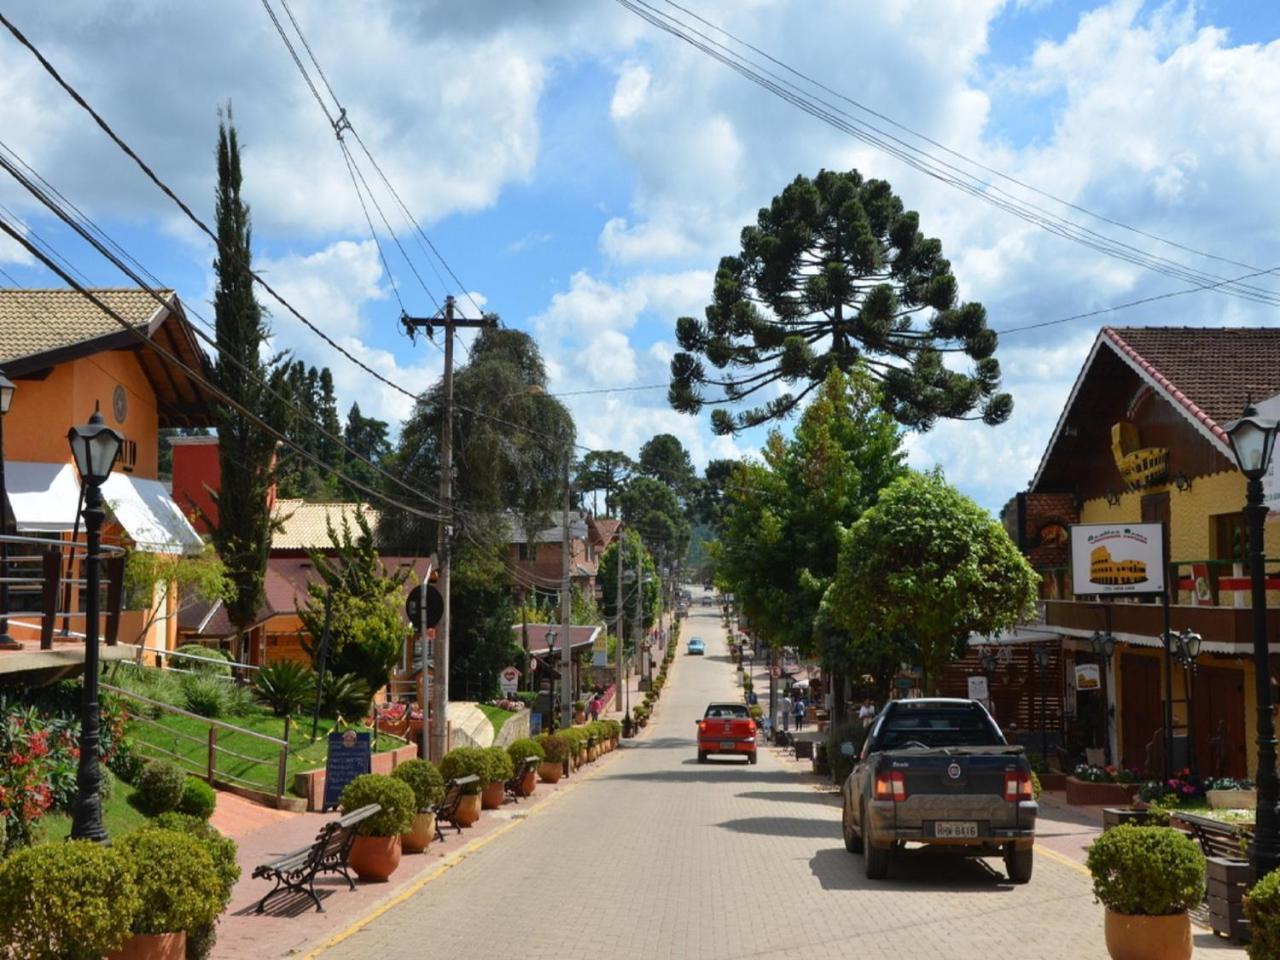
524, 552
128, 456
1230, 537
935, 726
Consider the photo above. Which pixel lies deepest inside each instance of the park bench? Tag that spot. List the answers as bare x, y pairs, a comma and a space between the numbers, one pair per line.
512, 787
1216, 839
446, 810
296, 872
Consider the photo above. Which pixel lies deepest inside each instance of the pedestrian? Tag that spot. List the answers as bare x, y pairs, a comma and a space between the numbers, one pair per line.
786, 712
797, 710
867, 712
594, 707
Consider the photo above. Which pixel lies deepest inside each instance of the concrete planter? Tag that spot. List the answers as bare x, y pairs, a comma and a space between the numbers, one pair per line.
1084, 793
1232, 799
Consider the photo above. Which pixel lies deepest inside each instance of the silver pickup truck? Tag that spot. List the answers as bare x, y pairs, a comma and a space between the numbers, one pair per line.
939, 772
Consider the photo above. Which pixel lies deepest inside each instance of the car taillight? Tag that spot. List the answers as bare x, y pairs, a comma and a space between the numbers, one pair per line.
891, 786
1017, 786
702, 726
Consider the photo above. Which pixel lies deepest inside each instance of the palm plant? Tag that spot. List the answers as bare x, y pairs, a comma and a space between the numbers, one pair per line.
284, 686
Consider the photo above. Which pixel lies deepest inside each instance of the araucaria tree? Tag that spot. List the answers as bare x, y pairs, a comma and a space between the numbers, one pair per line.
246, 451
833, 273
929, 564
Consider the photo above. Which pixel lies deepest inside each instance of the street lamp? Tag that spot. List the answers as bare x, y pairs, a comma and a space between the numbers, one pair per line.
1104, 646
1253, 439
1185, 645
551, 636
95, 448
6, 642
1041, 656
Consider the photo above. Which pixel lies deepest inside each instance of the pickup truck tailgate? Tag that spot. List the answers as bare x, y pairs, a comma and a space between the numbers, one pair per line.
957, 785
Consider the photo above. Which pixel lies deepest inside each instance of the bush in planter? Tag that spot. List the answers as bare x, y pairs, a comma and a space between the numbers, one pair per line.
501, 769
395, 796
424, 780
1146, 871
160, 787
198, 799
463, 762
177, 882
554, 747
1262, 907
524, 747
222, 850
66, 901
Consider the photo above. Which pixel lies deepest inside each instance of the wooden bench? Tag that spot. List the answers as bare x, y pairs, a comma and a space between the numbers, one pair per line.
512, 787
1216, 839
296, 871
446, 810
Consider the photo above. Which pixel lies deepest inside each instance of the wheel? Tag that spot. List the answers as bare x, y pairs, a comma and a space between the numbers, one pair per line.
751, 757
875, 860
852, 839
1018, 864
702, 756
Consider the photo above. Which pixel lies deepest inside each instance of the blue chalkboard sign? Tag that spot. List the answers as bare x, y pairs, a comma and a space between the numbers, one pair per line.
350, 755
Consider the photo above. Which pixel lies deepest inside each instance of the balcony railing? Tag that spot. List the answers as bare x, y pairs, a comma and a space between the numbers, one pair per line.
45, 601
1196, 583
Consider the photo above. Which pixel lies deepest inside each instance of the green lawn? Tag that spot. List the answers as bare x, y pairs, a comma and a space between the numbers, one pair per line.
119, 817
497, 716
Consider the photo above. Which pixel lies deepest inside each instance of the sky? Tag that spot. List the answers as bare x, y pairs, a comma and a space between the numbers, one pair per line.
581, 173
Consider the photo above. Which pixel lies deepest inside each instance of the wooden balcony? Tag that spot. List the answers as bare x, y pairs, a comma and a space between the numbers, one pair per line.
1217, 625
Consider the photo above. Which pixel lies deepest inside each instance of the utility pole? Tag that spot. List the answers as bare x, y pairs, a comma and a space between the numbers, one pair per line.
566, 610
618, 610
444, 538
639, 608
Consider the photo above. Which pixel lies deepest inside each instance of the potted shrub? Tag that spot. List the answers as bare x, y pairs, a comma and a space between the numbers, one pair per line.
428, 789
579, 711
1262, 909
222, 850
501, 769
179, 890
67, 901
375, 854
1147, 878
518, 751
556, 750
464, 762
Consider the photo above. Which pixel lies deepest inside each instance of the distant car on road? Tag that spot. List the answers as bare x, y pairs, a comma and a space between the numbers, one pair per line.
696, 646
727, 728
939, 772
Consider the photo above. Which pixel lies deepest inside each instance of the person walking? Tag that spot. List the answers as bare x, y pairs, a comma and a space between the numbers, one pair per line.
797, 710
594, 707
786, 712
867, 712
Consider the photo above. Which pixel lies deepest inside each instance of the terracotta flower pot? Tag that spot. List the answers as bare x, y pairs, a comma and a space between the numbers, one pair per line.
529, 784
420, 834
468, 810
152, 946
1148, 938
579, 716
375, 858
550, 771
491, 795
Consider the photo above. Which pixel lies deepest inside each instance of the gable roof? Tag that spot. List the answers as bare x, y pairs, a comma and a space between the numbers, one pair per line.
605, 530
305, 525
516, 533
1205, 373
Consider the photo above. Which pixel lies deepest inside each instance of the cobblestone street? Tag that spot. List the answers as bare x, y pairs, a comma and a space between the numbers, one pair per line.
654, 856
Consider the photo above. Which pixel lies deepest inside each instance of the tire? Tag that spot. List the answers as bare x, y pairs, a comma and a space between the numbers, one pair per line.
1018, 864
751, 757
702, 757
875, 860
852, 839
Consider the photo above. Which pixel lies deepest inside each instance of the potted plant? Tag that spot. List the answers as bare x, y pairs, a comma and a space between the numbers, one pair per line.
67, 901
1147, 878
1091, 785
579, 711
464, 762
179, 889
375, 854
518, 751
428, 789
1228, 793
501, 769
1262, 909
556, 750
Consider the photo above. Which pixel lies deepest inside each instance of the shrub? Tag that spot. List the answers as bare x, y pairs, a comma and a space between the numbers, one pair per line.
66, 901
1146, 871
424, 780
395, 796
177, 881
615, 728
284, 686
222, 668
501, 769
198, 799
1262, 907
525, 747
160, 787
206, 695
345, 695
463, 762
554, 747
221, 850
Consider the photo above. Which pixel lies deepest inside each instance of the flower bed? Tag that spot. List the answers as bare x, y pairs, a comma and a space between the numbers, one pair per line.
1101, 786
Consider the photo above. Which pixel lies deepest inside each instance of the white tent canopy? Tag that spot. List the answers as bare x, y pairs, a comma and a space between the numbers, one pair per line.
149, 515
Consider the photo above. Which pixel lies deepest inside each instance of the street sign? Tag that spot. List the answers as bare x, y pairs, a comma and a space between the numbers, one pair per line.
978, 688
413, 607
508, 680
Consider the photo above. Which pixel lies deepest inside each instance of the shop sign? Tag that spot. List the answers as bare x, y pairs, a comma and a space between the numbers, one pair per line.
1117, 558
1088, 677
978, 688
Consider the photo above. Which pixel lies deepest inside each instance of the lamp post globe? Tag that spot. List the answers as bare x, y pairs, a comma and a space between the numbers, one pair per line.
1253, 439
7, 642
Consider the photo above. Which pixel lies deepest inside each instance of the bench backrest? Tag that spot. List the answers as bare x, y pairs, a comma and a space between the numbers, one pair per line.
525, 767
1216, 839
453, 794
332, 842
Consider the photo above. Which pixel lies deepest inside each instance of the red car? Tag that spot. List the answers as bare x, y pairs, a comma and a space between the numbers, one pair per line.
727, 728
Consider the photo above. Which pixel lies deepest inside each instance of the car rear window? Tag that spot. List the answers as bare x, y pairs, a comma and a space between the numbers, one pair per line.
727, 710
938, 727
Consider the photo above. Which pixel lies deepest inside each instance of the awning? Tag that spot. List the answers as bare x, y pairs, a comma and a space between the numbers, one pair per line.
149, 515
42, 496
1021, 634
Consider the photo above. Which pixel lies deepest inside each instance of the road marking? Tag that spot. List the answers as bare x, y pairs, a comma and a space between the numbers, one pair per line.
452, 861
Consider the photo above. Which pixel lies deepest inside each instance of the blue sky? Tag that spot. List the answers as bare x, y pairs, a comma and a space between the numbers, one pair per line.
582, 173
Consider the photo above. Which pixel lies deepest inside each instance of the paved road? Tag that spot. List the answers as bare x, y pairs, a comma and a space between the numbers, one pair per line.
658, 857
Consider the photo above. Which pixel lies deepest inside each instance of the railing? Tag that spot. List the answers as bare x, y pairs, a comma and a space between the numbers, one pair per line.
207, 755
1210, 583
42, 572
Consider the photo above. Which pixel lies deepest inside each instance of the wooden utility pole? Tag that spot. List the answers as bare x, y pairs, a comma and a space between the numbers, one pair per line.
618, 610
439, 664
566, 610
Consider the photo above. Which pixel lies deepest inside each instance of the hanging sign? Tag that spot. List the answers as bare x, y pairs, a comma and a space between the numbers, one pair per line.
1117, 558
978, 687
508, 680
1088, 677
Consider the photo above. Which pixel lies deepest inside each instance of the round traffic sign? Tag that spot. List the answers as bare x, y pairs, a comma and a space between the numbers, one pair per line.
434, 607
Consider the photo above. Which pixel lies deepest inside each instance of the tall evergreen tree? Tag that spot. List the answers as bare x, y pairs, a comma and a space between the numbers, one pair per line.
245, 451
366, 437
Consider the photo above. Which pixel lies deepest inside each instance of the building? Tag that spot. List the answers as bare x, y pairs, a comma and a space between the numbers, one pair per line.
538, 558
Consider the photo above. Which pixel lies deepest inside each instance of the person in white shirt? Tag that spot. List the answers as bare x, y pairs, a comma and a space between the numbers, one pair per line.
866, 712
786, 712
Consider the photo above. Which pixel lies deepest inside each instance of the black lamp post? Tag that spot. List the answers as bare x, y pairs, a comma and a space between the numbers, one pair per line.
1253, 439
551, 636
6, 642
1041, 656
1186, 647
95, 448
1104, 646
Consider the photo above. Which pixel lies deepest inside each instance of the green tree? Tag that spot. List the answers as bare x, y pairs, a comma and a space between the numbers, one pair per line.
834, 273
366, 624
651, 508
366, 438
665, 459
606, 470
481, 641
246, 452
929, 563
607, 578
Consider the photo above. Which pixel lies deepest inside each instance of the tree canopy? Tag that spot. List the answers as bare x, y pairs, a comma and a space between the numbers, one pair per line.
651, 508
604, 470
836, 272
664, 458
928, 565
607, 578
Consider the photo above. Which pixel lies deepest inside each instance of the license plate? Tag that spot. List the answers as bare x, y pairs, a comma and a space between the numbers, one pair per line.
727, 745
955, 829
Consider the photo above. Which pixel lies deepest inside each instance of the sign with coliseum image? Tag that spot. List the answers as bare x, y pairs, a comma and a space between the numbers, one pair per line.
1117, 558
